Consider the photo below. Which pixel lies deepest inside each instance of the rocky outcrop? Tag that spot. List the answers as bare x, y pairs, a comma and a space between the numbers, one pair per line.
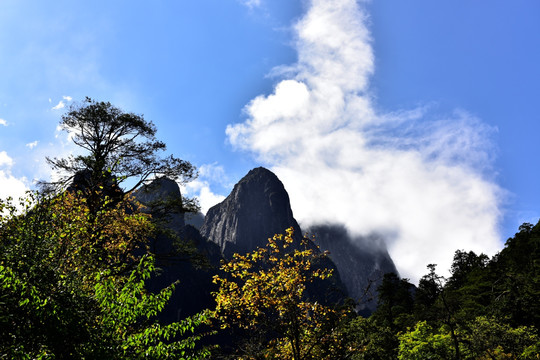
180, 252
163, 199
257, 208
361, 261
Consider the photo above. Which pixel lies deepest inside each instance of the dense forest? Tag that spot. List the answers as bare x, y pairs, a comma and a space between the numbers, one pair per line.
75, 261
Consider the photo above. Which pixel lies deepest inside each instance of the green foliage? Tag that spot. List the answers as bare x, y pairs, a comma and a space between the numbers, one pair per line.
487, 309
424, 343
72, 288
489, 338
363, 339
395, 303
429, 289
516, 274
482, 338
129, 310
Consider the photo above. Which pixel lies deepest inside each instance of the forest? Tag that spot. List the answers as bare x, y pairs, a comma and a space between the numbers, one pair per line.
75, 260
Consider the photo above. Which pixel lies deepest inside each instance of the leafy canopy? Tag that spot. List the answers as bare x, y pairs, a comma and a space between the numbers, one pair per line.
72, 286
118, 147
265, 291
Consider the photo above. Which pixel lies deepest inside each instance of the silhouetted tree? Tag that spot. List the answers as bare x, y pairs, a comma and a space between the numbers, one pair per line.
120, 148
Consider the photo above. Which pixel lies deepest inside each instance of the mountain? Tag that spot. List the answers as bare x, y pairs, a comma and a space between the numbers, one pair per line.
257, 208
361, 261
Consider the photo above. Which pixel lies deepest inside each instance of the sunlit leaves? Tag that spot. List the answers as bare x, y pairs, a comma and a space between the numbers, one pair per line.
266, 289
72, 284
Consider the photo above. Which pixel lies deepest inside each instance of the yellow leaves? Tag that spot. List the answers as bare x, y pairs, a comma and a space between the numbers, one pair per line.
104, 238
267, 287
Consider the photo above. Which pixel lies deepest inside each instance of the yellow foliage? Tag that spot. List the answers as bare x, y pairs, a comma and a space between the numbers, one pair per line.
267, 289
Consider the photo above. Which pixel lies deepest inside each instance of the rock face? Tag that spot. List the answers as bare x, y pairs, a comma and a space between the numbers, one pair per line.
163, 194
361, 262
257, 208
163, 200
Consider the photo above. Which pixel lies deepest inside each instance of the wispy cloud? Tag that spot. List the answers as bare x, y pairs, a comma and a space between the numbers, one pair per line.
3, 122
415, 179
251, 3
61, 104
32, 144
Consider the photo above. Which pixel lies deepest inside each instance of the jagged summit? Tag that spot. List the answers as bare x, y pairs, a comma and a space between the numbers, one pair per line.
257, 208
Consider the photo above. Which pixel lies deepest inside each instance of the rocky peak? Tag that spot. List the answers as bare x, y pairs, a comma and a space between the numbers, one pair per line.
163, 200
257, 208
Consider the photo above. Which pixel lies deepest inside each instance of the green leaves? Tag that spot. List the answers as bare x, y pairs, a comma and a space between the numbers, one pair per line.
72, 287
128, 312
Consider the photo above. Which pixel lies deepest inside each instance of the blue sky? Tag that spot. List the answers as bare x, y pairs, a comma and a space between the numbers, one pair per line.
413, 120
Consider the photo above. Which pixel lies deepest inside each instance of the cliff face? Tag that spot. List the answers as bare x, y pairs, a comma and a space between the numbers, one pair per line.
361, 262
162, 198
257, 208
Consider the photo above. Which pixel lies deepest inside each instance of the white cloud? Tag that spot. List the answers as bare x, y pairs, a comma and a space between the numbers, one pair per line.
251, 3
32, 144
213, 172
10, 185
201, 190
3, 122
59, 106
5, 160
209, 174
419, 183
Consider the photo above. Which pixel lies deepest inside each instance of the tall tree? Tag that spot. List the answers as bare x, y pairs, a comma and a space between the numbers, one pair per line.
120, 148
517, 268
429, 289
395, 303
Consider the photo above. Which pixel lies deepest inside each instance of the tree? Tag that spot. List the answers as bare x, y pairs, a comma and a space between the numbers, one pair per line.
424, 343
120, 148
365, 339
464, 264
429, 289
395, 302
516, 271
265, 291
71, 291
491, 338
